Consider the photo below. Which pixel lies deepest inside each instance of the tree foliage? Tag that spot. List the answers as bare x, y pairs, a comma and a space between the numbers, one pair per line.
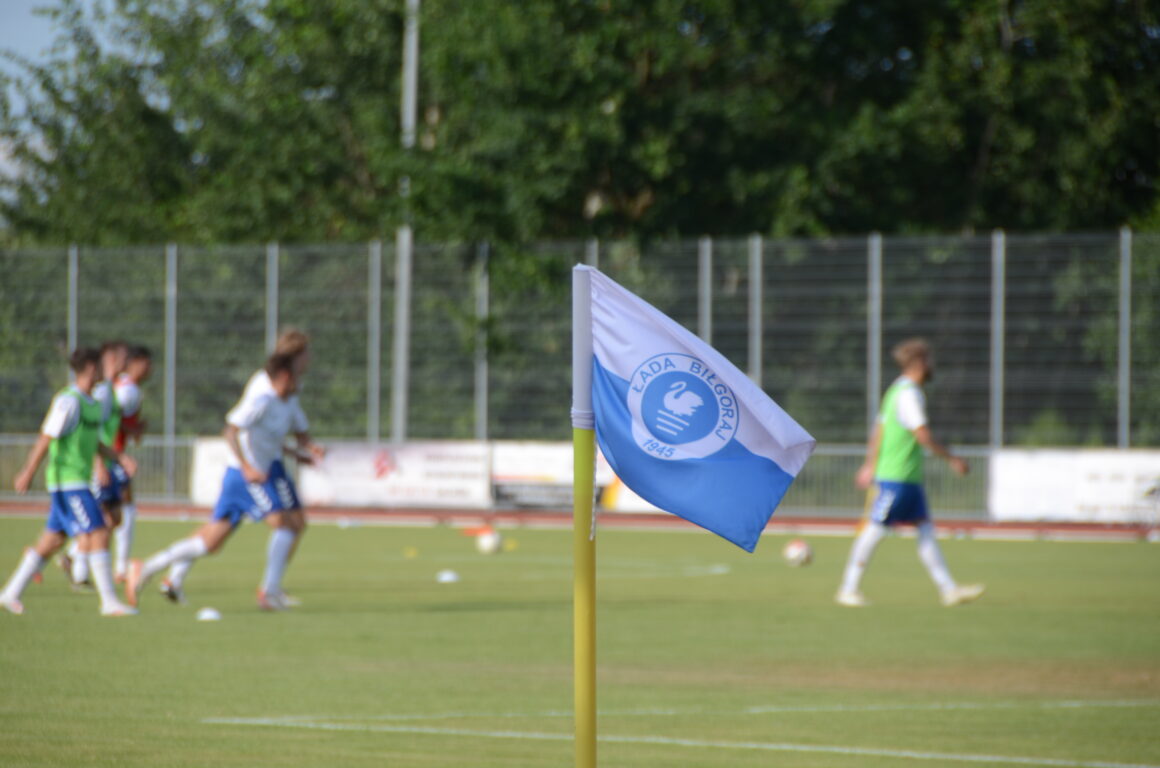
254, 120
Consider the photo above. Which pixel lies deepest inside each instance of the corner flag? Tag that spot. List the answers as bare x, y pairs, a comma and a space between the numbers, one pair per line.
681, 425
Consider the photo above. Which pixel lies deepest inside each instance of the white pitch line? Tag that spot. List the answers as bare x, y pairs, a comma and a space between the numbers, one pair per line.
666, 741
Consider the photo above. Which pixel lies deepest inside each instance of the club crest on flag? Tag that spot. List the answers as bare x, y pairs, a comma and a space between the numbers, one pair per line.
680, 408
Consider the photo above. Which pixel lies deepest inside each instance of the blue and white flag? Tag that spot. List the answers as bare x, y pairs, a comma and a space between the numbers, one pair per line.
681, 425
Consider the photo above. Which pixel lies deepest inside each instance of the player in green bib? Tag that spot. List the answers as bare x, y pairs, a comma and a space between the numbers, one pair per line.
894, 466
108, 476
70, 439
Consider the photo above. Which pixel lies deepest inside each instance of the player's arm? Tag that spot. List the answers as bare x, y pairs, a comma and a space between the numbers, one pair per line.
32, 463
249, 471
865, 475
100, 469
306, 450
924, 437
127, 462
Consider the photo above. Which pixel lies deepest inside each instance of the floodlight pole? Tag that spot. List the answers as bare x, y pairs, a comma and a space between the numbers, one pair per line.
404, 240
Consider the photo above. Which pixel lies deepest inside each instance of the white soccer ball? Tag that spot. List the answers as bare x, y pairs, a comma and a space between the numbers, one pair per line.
209, 614
488, 542
797, 553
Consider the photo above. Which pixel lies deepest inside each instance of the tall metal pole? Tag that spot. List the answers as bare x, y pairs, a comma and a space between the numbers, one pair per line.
873, 326
73, 279
998, 332
404, 240
705, 289
374, 338
1124, 393
170, 419
756, 296
401, 352
482, 308
271, 297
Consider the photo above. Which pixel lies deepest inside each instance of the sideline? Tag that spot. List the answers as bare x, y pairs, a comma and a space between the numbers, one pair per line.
788, 525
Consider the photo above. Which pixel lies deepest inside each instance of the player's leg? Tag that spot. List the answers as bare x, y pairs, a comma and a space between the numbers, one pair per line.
865, 543
234, 501
861, 552
278, 550
173, 585
930, 553
123, 536
31, 562
88, 524
204, 541
288, 523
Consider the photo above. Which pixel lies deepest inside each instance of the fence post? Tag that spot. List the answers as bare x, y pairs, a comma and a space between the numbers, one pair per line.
170, 418
401, 356
73, 279
756, 294
998, 332
705, 289
873, 326
482, 308
271, 297
1124, 388
374, 337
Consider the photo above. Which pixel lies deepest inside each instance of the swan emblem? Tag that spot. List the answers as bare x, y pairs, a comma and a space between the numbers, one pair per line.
681, 402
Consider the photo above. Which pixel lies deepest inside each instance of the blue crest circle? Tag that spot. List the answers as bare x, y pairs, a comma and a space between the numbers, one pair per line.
678, 408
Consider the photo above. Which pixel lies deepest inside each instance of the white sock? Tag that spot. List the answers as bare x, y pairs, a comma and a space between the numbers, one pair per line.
28, 567
101, 565
931, 555
277, 555
860, 554
185, 549
123, 537
80, 563
178, 571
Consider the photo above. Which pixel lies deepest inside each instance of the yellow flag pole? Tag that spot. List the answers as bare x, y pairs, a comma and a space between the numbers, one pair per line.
584, 597
583, 524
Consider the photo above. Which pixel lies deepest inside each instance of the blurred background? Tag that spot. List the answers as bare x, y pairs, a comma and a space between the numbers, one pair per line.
803, 184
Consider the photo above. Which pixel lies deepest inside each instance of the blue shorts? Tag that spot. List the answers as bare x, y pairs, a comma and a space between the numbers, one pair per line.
899, 503
74, 512
111, 493
240, 499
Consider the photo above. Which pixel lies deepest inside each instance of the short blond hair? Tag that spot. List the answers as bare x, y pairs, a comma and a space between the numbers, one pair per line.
906, 352
292, 342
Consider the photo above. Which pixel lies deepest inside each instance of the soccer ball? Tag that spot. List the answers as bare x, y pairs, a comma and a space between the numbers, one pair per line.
488, 541
797, 553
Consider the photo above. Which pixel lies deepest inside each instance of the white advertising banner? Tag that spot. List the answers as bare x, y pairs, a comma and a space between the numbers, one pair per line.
1091, 486
538, 474
421, 474
210, 458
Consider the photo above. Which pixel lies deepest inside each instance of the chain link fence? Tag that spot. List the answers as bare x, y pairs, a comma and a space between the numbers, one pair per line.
1039, 340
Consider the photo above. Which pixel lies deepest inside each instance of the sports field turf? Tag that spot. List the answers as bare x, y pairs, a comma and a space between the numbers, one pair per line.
707, 657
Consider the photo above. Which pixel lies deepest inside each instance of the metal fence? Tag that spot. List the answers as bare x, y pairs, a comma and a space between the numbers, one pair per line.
1040, 340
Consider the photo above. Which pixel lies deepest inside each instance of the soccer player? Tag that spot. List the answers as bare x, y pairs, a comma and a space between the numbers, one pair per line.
255, 485
127, 391
291, 524
108, 476
70, 437
894, 464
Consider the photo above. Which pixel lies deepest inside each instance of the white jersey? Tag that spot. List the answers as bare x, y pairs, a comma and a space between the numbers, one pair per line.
260, 382
910, 405
103, 394
128, 395
263, 420
63, 415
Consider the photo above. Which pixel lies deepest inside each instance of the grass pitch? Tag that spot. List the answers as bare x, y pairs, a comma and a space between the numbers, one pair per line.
707, 657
